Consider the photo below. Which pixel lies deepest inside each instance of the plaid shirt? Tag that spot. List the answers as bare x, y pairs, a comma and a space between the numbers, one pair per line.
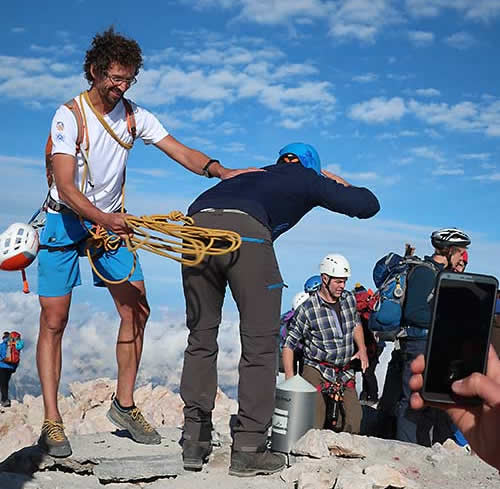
325, 336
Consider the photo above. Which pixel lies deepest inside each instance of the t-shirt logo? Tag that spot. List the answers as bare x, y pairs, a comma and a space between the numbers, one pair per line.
60, 126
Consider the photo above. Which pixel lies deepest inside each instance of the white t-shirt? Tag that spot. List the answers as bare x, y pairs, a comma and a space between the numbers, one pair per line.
107, 159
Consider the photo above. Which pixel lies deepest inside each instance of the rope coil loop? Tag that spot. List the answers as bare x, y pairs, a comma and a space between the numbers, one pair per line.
191, 242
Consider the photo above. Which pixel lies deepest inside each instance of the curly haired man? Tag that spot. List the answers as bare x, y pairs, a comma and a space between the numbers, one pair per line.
87, 154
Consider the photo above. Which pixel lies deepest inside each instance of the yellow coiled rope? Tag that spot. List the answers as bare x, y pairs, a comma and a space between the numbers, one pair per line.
186, 244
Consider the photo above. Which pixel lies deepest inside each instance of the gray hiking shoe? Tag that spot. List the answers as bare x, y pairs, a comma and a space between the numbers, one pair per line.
53, 440
5, 403
195, 454
249, 464
133, 421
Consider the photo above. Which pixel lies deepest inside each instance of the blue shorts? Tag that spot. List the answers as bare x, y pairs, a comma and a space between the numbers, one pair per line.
59, 270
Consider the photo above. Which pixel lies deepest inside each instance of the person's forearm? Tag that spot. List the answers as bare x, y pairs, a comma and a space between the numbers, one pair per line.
82, 206
359, 338
287, 356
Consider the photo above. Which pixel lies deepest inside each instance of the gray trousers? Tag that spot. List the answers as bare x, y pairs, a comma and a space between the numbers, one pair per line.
255, 282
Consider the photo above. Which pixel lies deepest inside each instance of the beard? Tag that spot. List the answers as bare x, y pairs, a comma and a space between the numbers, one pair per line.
112, 95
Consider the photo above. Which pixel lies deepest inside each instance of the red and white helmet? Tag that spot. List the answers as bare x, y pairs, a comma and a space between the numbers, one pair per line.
18, 247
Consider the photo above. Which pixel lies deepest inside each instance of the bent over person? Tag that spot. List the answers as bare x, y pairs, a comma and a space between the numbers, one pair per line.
260, 206
89, 144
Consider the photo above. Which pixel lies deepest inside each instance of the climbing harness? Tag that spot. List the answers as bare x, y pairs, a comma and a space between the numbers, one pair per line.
333, 394
192, 243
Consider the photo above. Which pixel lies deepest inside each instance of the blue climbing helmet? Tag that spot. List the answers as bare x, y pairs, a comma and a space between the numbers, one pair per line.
307, 155
312, 284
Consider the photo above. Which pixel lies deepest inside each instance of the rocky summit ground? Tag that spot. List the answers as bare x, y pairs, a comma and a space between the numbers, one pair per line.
110, 459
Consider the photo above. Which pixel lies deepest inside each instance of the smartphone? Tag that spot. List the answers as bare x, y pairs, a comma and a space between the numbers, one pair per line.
459, 336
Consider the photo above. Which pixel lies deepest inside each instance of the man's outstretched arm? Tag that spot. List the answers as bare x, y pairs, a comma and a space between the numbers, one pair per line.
195, 160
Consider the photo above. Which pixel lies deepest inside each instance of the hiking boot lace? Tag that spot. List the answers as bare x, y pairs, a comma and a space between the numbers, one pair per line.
137, 416
54, 430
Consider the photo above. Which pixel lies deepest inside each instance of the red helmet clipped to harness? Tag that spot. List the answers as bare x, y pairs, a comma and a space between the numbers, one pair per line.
18, 247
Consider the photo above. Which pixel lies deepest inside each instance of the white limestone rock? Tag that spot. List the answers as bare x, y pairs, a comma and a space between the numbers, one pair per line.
384, 476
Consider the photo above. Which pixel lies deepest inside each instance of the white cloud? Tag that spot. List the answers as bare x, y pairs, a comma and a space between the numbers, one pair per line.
464, 116
366, 78
460, 40
150, 172
368, 177
18, 30
476, 156
442, 170
421, 38
392, 135
19, 160
460, 116
87, 346
378, 109
277, 11
491, 177
362, 19
427, 92
268, 11
400, 76
234, 147
63, 49
428, 153
477, 10
404, 161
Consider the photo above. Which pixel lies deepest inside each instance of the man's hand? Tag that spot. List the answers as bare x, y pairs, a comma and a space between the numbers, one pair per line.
226, 173
479, 424
115, 222
336, 178
363, 358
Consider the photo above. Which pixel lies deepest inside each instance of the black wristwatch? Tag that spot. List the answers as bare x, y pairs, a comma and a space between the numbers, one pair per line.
205, 171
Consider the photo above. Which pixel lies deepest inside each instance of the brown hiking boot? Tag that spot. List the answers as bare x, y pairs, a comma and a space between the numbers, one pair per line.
53, 440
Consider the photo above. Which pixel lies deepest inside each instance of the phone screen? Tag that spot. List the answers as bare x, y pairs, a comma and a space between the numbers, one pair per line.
460, 333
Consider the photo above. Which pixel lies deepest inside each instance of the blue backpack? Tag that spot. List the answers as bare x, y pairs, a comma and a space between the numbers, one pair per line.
390, 276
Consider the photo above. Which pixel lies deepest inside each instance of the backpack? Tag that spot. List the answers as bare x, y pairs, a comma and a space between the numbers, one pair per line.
365, 301
390, 275
83, 133
12, 355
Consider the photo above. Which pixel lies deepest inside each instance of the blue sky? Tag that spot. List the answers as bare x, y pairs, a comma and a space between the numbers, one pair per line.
398, 96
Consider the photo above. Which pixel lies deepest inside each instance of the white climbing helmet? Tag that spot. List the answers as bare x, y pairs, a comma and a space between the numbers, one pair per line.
335, 265
18, 247
299, 299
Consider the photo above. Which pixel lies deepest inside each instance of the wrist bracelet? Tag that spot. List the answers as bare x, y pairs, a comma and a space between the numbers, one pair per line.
205, 171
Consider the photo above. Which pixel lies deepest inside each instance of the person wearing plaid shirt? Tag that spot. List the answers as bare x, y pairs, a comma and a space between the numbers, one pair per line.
329, 327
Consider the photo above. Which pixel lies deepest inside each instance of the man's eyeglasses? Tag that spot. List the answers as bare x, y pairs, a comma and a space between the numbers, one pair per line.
118, 80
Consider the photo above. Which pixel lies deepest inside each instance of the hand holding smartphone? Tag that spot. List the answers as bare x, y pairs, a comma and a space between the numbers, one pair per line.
457, 345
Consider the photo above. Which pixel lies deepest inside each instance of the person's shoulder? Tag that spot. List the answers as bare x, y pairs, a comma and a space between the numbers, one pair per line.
349, 297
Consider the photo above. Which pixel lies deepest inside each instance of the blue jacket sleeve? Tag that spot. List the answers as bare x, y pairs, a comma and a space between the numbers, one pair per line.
3, 350
418, 307
351, 201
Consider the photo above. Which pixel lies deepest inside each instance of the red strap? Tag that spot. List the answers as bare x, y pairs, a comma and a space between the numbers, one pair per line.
130, 119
